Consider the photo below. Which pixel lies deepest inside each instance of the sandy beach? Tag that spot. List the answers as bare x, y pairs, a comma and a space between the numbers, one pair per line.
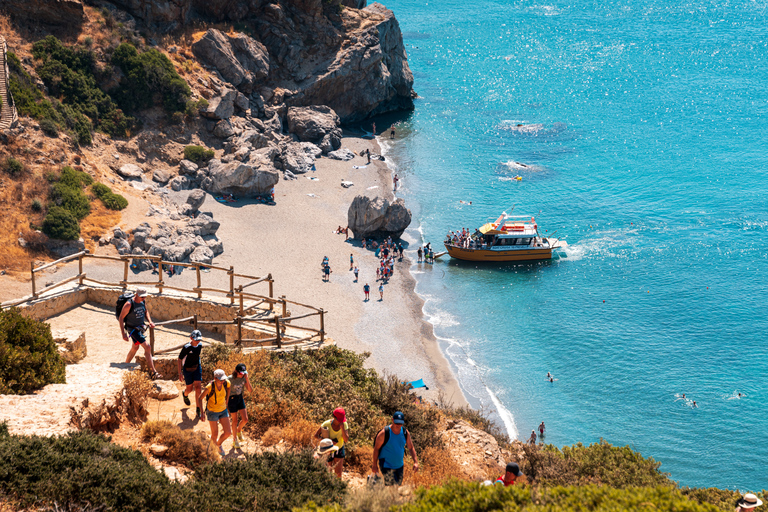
290, 239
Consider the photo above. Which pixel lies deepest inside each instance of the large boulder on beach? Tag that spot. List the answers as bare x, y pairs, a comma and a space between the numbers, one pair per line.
241, 179
377, 217
295, 158
311, 124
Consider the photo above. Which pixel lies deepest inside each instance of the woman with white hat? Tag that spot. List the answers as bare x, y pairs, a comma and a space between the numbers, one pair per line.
748, 502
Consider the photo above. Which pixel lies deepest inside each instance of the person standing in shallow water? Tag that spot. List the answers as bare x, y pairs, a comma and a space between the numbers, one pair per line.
392, 132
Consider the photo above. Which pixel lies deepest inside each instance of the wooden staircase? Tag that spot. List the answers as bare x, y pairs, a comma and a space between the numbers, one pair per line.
8, 114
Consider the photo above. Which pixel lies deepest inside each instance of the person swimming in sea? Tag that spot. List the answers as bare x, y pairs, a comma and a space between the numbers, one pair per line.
549, 375
694, 404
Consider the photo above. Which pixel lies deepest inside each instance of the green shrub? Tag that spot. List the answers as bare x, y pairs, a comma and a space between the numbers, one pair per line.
29, 358
49, 127
100, 190
61, 224
83, 469
149, 79
264, 483
71, 199
598, 463
114, 201
36, 205
74, 179
460, 496
194, 107
13, 166
198, 154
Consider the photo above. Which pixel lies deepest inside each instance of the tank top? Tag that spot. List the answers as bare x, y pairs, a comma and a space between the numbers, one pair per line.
394, 451
135, 318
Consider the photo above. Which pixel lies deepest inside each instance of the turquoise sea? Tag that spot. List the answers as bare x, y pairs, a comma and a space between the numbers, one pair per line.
645, 145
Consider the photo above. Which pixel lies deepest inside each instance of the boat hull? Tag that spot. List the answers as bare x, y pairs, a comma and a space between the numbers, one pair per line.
498, 255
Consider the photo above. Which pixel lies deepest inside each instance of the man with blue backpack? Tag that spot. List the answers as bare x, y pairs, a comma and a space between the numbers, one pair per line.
389, 451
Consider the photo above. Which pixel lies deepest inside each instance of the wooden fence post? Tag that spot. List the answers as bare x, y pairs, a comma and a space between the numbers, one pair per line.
199, 284
240, 291
271, 283
285, 306
277, 333
239, 331
322, 324
80, 269
160, 275
152, 340
32, 271
231, 285
125, 273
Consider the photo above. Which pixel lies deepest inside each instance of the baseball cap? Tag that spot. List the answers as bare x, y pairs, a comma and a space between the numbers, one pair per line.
141, 292
513, 468
219, 375
196, 335
340, 414
240, 368
398, 418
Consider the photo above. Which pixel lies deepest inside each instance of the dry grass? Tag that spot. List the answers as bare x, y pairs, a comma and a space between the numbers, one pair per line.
100, 221
272, 436
436, 465
299, 433
359, 460
376, 498
188, 447
137, 387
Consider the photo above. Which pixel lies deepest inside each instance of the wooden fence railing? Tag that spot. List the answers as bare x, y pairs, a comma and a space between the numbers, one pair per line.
277, 308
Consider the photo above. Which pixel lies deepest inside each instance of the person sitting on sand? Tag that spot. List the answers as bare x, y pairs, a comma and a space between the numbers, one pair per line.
511, 476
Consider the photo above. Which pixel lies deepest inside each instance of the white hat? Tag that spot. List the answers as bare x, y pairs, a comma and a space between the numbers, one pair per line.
196, 335
750, 501
141, 292
325, 446
219, 375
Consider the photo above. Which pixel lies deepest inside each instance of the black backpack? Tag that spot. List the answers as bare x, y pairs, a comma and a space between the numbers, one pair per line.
224, 384
121, 300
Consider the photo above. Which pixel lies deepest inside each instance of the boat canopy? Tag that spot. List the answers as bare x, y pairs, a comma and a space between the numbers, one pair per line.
512, 226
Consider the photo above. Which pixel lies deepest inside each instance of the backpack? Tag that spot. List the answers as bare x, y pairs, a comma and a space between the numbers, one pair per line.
225, 383
121, 300
386, 437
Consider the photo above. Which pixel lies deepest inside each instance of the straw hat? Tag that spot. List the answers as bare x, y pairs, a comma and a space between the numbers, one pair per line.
325, 446
749, 501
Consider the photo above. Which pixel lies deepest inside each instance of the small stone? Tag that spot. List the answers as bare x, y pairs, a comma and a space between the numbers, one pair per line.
130, 171
158, 450
164, 390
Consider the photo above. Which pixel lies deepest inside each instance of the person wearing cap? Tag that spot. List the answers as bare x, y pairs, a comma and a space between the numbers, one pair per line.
236, 403
512, 475
337, 433
191, 371
131, 319
389, 451
748, 502
218, 396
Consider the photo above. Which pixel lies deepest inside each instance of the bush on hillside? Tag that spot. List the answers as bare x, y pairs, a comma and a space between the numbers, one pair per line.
264, 483
198, 154
73, 178
111, 200
83, 469
29, 358
149, 79
61, 224
599, 463
49, 127
12, 166
721, 498
70, 74
189, 447
71, 199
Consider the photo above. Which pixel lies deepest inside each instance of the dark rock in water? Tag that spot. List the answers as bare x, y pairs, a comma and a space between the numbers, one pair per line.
355, 4
377, 217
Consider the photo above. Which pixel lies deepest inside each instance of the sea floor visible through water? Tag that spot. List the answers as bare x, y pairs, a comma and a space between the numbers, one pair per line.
639, 131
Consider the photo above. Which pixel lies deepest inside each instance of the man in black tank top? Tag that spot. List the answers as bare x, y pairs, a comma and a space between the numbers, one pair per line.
132, 327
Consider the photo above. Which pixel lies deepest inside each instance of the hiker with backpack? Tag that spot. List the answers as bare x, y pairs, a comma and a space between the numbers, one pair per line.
217, 392
389, 451
191, 371
131, 312
335, 429
236, 402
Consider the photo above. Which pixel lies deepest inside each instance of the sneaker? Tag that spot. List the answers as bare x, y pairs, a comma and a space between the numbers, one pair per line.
186, 399
235, 444
240, 436
200, 414
222, 452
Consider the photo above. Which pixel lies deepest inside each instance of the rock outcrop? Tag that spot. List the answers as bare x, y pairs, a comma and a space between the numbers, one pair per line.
241, 179
377, 217
240, 59
63, 13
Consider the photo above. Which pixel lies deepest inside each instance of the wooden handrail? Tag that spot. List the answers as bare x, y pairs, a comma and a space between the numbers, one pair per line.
175, 321
288, 319
65, 259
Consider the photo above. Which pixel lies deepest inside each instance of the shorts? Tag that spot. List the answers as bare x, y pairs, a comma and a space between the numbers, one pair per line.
192, 376
236, 403
340, 453
216, 416
137, 335
391, 476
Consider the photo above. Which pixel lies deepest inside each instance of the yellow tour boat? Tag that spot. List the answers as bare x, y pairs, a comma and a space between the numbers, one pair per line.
507, 239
